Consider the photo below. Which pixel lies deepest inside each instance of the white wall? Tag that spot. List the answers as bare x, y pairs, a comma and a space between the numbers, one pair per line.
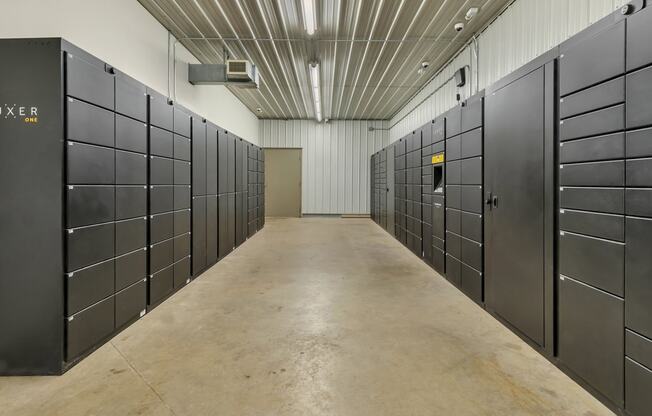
124, 34
524, 31
335, 160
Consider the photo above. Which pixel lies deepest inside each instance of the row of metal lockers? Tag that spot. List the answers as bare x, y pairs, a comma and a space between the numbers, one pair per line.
547, 204
150, 194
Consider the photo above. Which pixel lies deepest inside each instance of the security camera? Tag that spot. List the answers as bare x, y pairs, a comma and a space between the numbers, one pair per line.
459, 27
425, 64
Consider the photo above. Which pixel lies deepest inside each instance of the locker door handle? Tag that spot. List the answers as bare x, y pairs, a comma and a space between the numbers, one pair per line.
489, 200
494, 201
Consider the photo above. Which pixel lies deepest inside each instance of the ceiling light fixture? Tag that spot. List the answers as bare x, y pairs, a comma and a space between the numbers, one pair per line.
309, 16
316, 88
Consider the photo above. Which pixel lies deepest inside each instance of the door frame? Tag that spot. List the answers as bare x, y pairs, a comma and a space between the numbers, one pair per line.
300, 175
549, 62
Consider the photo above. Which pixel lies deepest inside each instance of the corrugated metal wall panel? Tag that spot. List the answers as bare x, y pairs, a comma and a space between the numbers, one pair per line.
335, 168
525, 30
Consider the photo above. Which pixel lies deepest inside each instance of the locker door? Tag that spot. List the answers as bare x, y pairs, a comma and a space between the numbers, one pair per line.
211, 230
244, 161
211, 160
240, 219
592, 348
514, 175
160, 111
230, 160
198, 234
239, 184
231, 224
223, 225
223, 165
130, 97
390, 192
198, 157
245, 214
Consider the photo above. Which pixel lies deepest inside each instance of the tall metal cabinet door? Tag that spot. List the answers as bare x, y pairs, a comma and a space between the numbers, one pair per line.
390, 190
211, 160
223, 164
230, 228
591, 336
514, 165
230, 160
198, 157
211, 230
223, 225
239, 150
198, 234
243, 166
240, 219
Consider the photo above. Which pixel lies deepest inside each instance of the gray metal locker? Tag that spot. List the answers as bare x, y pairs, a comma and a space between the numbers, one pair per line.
224, 245
198, 157
198, 234
211, 159
211, 230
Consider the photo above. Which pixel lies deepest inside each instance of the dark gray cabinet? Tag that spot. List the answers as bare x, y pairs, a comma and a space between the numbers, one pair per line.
109, 196
514, 225
546, 206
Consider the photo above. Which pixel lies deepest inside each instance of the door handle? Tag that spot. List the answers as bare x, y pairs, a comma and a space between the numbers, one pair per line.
494, 201
489, 200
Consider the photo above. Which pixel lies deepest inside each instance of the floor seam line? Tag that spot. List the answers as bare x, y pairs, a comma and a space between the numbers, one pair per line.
143, 378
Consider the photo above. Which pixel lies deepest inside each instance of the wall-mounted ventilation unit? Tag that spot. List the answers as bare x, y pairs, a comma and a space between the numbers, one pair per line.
238, 73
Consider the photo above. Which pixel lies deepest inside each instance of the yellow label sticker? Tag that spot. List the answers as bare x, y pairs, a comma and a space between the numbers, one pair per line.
438, 158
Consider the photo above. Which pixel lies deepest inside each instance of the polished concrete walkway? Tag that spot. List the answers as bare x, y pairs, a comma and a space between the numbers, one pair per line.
312, 316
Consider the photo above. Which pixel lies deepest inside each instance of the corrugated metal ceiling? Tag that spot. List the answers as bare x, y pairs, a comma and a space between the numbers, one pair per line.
369, 50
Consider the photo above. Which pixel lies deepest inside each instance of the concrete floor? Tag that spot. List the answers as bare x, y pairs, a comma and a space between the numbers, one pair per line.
312, 316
